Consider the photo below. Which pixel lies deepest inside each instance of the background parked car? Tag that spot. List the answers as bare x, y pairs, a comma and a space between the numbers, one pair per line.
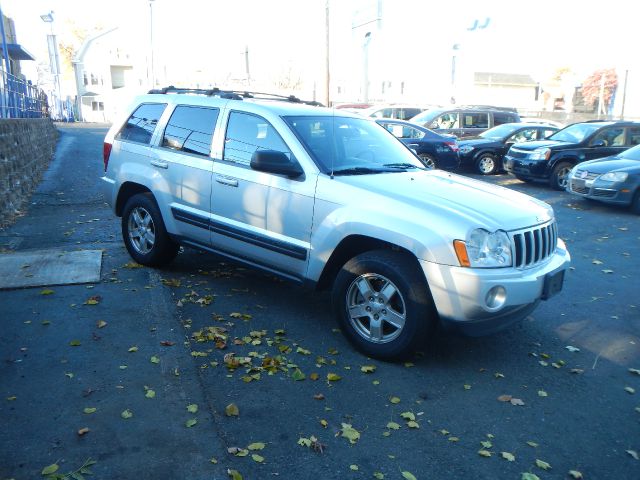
433, 150
614, 180
552, 159
484, 153
400, 112
465, 121
542, 121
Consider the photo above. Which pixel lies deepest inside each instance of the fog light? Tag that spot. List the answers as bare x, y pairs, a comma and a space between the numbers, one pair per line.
496, 297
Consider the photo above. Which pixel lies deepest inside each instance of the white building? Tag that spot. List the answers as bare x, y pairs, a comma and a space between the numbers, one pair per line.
108, 75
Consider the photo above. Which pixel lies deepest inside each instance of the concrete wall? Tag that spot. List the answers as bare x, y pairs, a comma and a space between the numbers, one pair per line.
26, 147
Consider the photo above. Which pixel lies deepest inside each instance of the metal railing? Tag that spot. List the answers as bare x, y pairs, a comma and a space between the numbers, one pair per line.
21, 99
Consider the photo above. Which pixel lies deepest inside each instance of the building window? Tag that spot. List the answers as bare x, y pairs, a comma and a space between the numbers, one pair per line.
94, 79
97, 106
85, 80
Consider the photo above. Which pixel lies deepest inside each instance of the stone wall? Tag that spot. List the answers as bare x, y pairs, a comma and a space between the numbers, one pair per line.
26, 147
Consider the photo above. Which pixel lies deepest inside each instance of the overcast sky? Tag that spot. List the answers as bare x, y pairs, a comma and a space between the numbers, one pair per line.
521, 37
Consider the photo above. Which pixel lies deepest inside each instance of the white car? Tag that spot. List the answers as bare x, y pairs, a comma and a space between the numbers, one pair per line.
333, 201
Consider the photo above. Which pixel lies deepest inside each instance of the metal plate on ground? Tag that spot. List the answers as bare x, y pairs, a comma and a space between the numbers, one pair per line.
37, 268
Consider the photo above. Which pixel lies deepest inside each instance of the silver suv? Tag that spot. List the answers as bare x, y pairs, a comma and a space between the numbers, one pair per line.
330, 200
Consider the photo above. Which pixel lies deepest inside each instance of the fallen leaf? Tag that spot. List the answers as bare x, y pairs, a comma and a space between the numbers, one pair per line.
542, 393
634, 370
414, 424
542, 465
83, 431
324, 423
297, 375
408, 476
607, 271
126, 414
90, 410
350, 433
505, 398
466, 387
378, 475
333, 377
572, 348
354, 468
95, 300
46, 291
629, 390
214, 460
133, 349
167, 343
314, 376
575, 474
393, 426
517, 401
508, 456
150, 394
75, 343
256, 446
192, 408
53, 468
368, 368
484, 453
257, 458
533, 444
529, 476
394, 400
597, 262
318, 396
633, 453
154, 359
486, 444
191, 422
234, 474
101, 324
232, 410
411, 416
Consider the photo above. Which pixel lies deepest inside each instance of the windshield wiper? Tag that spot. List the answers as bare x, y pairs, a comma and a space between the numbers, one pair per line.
403, 165
361, 171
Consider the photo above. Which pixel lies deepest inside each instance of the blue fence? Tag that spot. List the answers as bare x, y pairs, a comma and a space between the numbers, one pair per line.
20, 99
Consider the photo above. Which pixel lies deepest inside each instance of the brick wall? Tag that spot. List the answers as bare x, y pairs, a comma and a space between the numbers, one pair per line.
26, 147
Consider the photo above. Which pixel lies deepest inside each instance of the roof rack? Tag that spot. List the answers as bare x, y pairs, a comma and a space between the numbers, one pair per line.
233, 94
502, 109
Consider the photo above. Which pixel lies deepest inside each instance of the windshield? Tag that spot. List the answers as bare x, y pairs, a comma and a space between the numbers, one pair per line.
501, 131
575, 133
426, 117
631, 154
351, 146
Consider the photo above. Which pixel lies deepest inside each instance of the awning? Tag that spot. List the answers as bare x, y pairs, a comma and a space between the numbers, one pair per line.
90, 94
18, 52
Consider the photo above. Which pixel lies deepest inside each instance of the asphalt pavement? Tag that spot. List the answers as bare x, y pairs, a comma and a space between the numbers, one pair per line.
206, 367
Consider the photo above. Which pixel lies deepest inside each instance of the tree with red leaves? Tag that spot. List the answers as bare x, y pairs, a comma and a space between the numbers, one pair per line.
593, 84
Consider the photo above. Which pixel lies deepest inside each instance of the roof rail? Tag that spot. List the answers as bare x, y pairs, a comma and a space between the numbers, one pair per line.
233, 94
502, 109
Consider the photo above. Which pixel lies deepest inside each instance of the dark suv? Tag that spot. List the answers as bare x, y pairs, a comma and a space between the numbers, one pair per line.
552, 159
465, 121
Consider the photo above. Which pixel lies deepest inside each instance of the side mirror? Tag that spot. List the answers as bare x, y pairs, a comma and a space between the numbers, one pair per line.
599, 143
273, 161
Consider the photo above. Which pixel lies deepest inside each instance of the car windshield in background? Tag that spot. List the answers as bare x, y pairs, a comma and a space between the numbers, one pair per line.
501, 131
631, 154
575, 133
351, 146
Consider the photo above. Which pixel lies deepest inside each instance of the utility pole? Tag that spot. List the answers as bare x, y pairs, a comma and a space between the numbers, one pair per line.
246, 64
151, 68
327, 76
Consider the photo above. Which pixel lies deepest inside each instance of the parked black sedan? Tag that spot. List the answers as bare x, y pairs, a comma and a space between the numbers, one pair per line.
483, 154
433, 150
613, 179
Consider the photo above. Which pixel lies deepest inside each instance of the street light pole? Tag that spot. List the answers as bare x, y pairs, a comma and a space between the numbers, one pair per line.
152, 74
54, 61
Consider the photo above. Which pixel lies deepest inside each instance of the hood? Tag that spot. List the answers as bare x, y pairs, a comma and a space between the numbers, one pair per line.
530, 146
442, 200
611, 164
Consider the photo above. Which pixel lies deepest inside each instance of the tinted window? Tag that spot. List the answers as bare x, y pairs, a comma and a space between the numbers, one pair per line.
142, 123
475, 120
633, 135
446, 120
575, 133
500, 118
190, 129
247, 133
612, 137
403, 131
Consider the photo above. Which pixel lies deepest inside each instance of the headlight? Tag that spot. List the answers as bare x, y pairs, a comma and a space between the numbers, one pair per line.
465, 149
540, 154
483, 249
614, 177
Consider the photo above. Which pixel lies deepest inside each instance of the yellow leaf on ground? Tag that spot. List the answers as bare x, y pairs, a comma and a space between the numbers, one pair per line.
231, 410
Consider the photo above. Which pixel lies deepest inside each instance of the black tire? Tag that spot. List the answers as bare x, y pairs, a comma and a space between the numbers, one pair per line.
428, 161
558, 179
635, 203
144, 233
487, 164
398, 298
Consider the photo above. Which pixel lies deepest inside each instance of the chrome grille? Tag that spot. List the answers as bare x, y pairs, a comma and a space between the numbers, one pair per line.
517, 153
588, 176
579, 187
533, 246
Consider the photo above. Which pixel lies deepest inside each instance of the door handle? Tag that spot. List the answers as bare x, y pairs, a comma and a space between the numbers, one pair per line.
232, 182
158, 164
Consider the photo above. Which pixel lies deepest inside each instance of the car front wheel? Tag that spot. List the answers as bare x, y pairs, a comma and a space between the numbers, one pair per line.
144, 233
428, 161
560, 176
487, 164
383, 304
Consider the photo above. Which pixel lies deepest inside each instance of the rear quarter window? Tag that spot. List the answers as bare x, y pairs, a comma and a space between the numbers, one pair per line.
142, 123
500, 118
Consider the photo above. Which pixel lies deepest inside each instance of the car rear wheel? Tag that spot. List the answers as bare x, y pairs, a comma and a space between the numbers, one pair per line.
428, 161
383, 304
487, 164
144, 233
560, 176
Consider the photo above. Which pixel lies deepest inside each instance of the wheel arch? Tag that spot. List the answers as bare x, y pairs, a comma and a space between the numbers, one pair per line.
128, 190
350, 247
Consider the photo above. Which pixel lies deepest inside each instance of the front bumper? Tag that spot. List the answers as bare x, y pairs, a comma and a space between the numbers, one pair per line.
616, 193
462, 295
523, 167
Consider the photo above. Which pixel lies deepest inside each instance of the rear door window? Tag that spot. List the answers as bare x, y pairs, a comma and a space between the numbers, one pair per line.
500, 118
142, 123
475, 120
190, 129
